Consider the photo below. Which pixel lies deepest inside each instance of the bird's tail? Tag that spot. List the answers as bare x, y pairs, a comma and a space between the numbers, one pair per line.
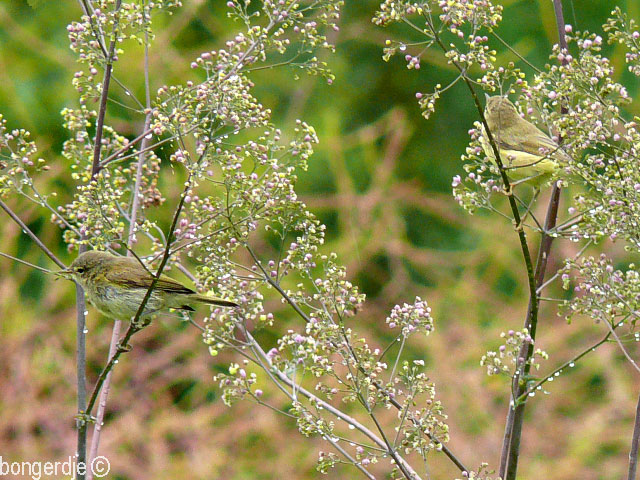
214, 301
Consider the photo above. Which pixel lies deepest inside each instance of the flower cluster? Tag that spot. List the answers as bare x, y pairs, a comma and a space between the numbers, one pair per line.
624, 30
482, 473
96, 214
506, 359
220, 104
18, 161
425, 429
326, 461
482, 180
237, 384
287, 26
602, 292
108, 21
427, 101
411, 318
458, 27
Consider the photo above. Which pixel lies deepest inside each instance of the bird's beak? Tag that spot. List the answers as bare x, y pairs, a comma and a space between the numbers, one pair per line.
66, 273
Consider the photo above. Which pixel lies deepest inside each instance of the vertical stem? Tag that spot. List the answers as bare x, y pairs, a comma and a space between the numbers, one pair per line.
515, 417
135, 205
82, 380
102, 404
534, 280
97, 146
80, 298
633, 454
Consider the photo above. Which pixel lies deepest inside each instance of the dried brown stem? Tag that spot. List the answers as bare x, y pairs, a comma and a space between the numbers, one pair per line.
515, 418
135, 205
635, 440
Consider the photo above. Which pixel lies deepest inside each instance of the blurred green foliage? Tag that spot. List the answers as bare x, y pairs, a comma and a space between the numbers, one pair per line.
380, 180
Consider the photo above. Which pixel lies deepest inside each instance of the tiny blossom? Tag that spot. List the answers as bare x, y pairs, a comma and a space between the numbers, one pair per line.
482, 473
18, 162
622, 29
411, 318
506, 359
603, 292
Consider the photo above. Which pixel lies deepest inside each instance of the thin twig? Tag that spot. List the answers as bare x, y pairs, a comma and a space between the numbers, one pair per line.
6, 255
376, 383
568, 363
97, 145
620, 344
31, 235
318, 401
353, 461
516, 53
136, 326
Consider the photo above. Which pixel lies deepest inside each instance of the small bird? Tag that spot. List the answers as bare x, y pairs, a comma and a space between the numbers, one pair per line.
117, 285
527, 152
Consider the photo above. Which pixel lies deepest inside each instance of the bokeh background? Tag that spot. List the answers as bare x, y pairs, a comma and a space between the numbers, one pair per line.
380, 181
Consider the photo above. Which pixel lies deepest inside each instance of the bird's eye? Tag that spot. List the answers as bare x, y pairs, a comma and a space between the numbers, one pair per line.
80, 269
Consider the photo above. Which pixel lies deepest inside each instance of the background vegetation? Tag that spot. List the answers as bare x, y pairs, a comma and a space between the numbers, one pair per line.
380, 181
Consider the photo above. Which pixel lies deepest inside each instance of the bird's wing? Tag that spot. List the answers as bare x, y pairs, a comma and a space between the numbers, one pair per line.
135, 276
535, 139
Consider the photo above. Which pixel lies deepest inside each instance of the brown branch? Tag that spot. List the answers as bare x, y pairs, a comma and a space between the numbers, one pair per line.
97, 144
635, 440
136, 324
81, 307
117, 324
515, 418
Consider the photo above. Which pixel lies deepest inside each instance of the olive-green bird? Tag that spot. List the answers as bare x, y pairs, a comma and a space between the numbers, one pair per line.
526, 151
117, 285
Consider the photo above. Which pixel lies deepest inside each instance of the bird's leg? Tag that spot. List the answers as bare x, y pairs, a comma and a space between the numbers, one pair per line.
143, 321
124, 347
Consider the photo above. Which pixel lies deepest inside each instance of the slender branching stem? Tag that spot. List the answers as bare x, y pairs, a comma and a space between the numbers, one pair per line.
102, 111
532, 313
136, 323
27, 231
28, 264
515, 418
135, 205
376, 383
80, 298
326, 406
523, 396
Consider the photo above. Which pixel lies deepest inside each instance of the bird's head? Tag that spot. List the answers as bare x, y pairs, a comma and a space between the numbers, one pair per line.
500, 112
87, 266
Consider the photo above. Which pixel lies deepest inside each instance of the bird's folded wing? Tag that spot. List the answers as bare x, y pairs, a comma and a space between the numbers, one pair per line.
142, 279
534, 145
